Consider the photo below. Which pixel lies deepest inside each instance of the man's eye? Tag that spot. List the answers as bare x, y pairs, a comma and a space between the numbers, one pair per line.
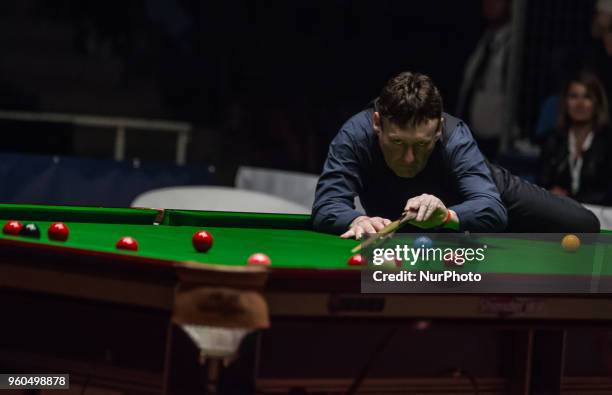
421, 144
397, 142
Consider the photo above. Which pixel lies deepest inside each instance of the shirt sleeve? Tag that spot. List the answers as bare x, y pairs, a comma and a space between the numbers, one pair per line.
334, 205
482, 209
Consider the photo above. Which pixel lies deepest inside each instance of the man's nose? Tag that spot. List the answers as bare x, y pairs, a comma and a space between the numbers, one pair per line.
409, 155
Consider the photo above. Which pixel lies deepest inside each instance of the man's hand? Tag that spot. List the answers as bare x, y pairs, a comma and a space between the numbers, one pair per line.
425, 211
362, 225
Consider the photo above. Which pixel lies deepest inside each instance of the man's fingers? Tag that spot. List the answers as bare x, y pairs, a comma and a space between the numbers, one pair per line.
378, 223
414, 206
410, 215
371, 226
363, 229
378, 226
433, 205
368, 227
430, 210
413, 203
348, 234
421, 212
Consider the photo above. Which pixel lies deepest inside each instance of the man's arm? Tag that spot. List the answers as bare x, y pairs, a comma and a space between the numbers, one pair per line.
482, 210
334, 207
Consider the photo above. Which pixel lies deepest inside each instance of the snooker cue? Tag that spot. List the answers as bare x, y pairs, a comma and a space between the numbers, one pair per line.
392, 227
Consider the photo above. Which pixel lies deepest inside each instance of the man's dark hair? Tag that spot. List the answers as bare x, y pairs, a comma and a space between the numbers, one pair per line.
409, 99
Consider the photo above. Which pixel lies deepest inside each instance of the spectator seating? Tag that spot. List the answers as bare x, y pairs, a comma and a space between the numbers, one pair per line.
290, 185
63, 180
547, 118
217, 199
294, 186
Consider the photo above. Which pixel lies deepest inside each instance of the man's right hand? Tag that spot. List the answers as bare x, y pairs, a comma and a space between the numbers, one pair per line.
362, 225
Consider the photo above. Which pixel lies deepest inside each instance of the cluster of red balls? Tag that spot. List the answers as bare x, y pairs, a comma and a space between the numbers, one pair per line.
202, 241
57, 231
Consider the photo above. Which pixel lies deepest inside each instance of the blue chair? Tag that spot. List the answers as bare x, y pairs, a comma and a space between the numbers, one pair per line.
547, 119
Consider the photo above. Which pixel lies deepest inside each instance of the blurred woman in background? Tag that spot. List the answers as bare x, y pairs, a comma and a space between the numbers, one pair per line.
577, 157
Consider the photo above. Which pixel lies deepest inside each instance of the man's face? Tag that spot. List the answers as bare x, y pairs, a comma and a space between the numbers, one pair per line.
407, 149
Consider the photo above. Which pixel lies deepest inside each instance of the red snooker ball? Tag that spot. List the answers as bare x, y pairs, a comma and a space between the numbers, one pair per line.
202, 241
58, 231
259, 259
12, 228
356, 260
127, 243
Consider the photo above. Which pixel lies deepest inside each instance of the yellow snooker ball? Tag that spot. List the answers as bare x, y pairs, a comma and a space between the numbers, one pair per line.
570, 243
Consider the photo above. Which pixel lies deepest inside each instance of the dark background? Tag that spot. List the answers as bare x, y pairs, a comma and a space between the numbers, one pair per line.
266, 83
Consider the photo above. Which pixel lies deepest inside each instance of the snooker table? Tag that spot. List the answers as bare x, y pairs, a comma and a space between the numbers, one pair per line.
168, 285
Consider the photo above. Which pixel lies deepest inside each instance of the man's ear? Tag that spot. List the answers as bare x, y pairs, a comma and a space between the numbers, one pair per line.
440, 129
376, 124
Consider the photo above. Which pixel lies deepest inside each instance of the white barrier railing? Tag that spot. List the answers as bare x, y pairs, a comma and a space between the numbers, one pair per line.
119, 124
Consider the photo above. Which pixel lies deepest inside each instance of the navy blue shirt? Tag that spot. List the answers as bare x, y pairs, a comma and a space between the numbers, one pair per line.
456, 173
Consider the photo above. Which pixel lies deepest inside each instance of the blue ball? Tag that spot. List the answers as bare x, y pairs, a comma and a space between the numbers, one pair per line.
423, 241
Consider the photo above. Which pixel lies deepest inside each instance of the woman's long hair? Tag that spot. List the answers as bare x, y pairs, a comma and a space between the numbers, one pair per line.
596, 92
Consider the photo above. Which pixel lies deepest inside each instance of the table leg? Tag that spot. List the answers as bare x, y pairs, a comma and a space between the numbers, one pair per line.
213, 368
548, 362
167, 360
518, 362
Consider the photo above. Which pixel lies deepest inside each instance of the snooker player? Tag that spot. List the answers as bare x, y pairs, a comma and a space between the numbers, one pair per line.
404, 156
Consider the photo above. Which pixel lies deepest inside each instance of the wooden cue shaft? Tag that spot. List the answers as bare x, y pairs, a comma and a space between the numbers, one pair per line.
384, 231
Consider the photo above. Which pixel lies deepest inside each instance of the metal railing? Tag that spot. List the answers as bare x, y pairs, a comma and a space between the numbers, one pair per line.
119, 124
